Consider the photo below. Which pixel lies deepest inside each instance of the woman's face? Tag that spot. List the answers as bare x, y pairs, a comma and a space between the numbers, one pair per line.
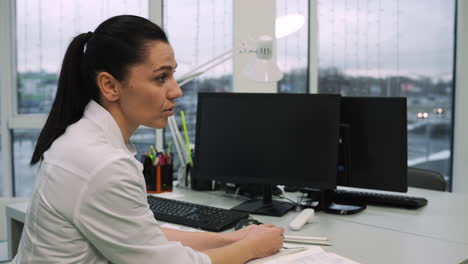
148, 93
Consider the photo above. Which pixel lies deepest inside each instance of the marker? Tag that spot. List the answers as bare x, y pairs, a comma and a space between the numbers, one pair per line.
187, 142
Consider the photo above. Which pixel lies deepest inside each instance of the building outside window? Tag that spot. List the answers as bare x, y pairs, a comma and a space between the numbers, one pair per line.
385, 48
292, 50
43, 31
23, 146
366, 48
204, 33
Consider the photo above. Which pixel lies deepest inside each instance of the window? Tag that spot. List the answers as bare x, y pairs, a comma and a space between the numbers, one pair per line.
142, 139
43, 31
384, 48
293, 58
199, 31
24, 141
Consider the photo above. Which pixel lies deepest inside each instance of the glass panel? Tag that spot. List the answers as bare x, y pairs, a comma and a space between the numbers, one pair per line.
24, 141
383, 48
143, 138
292, 50
204, 33
41, 43
44, 30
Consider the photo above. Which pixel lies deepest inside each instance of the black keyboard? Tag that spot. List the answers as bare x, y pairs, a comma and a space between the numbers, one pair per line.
368, 198
194, 215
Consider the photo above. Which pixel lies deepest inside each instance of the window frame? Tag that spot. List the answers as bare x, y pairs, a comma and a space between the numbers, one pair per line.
10, 118
242, 30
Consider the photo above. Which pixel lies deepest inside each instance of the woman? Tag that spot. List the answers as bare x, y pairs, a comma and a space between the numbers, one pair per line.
89, 203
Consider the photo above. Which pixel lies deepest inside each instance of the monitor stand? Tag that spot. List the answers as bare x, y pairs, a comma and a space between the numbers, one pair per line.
267, 206
324, 203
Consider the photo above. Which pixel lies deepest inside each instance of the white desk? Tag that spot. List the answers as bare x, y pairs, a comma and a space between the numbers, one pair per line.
436, 233
444, 218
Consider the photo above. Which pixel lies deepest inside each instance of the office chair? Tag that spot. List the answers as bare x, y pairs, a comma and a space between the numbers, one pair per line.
426, 179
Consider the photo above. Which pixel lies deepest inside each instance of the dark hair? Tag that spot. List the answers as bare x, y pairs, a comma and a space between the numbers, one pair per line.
117, 43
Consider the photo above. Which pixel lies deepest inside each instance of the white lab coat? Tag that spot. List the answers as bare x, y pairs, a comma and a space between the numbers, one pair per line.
89, 204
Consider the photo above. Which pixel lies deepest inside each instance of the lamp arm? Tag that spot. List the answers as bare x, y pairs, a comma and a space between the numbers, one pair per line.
199, 68
189, 78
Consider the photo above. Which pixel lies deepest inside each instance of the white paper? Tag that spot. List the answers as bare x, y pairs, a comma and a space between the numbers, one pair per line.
272, 258
313, 255
292, 254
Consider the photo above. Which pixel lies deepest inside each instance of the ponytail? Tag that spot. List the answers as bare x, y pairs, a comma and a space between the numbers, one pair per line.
116, 44
71, 99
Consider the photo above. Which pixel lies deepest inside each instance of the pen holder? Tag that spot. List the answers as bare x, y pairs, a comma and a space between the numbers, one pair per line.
158, 178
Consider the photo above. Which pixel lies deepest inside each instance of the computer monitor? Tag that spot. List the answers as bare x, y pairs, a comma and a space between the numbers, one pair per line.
286, 139
374, 143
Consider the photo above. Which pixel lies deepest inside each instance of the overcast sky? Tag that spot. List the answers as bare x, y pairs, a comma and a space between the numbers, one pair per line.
367, 37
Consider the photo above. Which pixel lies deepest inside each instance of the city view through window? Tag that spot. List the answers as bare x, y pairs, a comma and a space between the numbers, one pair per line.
43, 31
366, 48
383, 48
204, 33
293, 50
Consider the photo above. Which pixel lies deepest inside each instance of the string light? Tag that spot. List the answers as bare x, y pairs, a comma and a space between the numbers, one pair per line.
379, 45
366, 36
357, 13
213, 28
345, 36
60, 29
333, 40
39, 25
26, 40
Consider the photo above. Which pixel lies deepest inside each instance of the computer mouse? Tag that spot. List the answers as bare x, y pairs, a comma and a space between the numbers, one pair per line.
245, 222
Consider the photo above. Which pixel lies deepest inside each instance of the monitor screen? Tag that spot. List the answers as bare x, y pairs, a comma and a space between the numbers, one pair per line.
247, 138
373, 150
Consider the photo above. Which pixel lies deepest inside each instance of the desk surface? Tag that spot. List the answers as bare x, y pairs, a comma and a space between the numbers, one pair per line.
445, 217
436, 233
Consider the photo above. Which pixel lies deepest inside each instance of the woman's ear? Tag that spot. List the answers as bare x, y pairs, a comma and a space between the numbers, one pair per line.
109, 86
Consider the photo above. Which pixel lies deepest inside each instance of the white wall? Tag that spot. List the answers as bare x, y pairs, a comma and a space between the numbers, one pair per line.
7, 67
460, 159
251, 19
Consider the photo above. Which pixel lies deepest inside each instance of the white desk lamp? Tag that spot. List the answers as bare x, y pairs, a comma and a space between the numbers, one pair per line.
264, 69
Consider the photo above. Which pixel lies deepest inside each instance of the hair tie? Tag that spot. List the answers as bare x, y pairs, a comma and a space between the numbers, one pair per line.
89, 35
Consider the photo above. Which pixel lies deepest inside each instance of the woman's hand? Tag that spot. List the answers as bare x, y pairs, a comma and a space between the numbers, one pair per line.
265, 240
239, 234
254, 241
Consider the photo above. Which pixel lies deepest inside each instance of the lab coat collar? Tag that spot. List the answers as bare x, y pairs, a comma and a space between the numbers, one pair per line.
103, 119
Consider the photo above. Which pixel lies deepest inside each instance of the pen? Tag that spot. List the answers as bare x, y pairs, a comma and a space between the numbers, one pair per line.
152, 154
310, 242
161, 159
306, 238
170, 147
153, 151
